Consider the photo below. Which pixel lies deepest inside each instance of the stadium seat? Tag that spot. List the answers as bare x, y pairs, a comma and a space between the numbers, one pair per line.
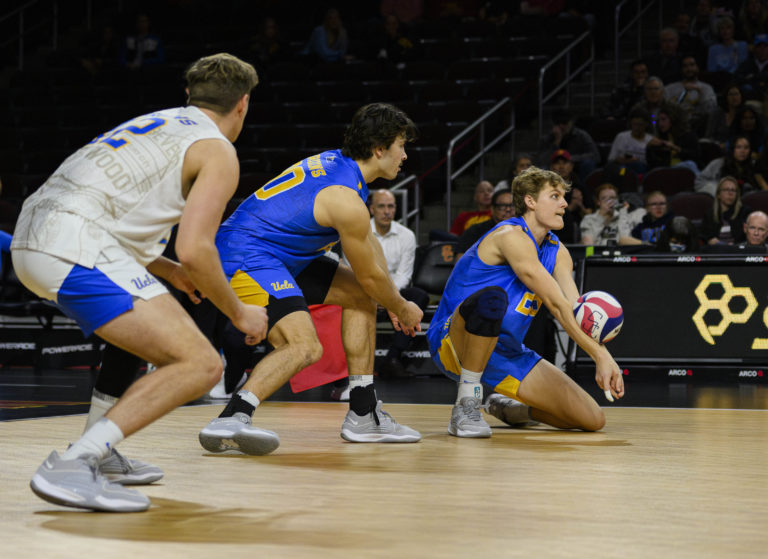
389, 91
757, 200
423, 70
628, 182
693, 205
435, 263
669, 180
341, 91
438, 90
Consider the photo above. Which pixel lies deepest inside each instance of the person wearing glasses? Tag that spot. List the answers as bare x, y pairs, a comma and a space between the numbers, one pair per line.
724, 223
502, 207
657, 217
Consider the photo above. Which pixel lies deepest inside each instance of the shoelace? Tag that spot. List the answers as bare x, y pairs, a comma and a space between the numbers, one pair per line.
378, 411
124, 464
472, 409
93, 465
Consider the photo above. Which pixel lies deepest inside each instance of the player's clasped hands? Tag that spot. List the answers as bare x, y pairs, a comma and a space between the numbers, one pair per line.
409, 319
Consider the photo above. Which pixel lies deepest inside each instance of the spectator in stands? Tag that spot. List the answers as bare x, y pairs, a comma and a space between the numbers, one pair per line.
653, 100
696, 98
674, 145
502, 207
721, 118
566, 136
752, 20
579, 197
688, 42
101, 51
657, 216
545, 8
406, 11
627, 95
610, 224
5, 237
666, 62
679, 236
399, 246
628, 147
268, 46
724, 224
494, 11
328, 41
142, 48
752, 74
755, 230
392, 44
704, 23
737, 163
728, 53
466, 219
749, 123
522, 162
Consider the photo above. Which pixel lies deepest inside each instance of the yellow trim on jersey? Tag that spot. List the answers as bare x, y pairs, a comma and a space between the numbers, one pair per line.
248, 290
508, 387
448, 356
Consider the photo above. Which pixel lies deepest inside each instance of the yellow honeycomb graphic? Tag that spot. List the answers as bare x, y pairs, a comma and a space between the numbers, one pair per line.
721, 305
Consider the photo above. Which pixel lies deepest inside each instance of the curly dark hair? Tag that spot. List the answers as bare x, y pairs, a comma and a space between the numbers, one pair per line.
376, 125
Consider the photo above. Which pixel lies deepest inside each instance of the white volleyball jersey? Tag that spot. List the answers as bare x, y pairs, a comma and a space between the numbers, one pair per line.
124, 184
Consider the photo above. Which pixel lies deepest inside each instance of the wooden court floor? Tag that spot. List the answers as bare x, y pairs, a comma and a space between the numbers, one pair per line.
653, 483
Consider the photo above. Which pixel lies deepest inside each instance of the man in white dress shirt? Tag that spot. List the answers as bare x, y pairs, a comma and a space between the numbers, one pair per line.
399, 246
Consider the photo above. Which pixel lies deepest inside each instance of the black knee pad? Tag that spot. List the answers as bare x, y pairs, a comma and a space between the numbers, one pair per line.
484, 310
119, 369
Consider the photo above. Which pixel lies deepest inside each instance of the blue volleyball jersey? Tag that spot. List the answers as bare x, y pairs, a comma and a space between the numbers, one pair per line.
277, 221
471, 274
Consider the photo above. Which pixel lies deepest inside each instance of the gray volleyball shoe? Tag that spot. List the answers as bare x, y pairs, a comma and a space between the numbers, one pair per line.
509, 410
78, 483
126, 471
237, 433
376, 427
467, 421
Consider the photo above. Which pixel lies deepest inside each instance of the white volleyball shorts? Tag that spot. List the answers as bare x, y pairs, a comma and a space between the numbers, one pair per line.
90, 296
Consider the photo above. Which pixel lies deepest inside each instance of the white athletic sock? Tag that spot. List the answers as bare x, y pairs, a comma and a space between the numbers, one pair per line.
98, 440
469, 385
100, 404
359, 380
249, 397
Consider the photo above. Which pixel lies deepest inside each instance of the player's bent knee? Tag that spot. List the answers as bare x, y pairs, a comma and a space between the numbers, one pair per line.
311, 352
484, 310
208, 367
595, 421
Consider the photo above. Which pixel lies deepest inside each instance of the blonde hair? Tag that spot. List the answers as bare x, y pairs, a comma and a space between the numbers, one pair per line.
716, 209
530, 182
217, 82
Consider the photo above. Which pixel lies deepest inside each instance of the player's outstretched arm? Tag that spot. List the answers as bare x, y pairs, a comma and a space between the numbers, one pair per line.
211, 172
520, 253
607, 373
341, 208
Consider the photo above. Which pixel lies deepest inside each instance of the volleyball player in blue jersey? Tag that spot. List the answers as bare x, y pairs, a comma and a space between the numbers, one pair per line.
491, 297
273, 251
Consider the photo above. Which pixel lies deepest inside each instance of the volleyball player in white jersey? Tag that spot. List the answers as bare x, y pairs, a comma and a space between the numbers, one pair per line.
91, 238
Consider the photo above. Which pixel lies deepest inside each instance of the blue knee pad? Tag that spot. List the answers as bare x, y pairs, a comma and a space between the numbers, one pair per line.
484, 310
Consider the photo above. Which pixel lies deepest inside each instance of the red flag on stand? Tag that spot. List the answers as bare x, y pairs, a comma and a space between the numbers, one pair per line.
333, 365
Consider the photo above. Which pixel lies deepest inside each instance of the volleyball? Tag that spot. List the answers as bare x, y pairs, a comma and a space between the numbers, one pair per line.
599, 314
